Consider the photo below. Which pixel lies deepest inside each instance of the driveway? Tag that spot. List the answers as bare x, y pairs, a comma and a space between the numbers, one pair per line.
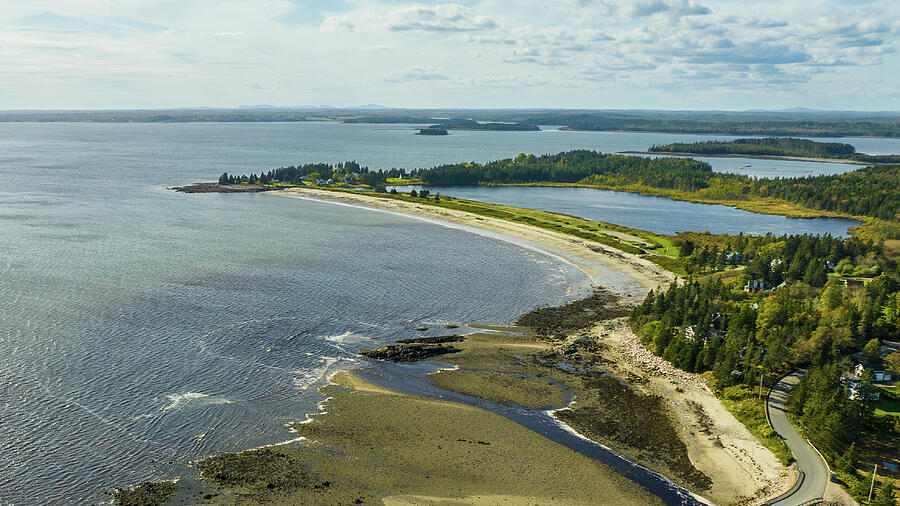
814, 474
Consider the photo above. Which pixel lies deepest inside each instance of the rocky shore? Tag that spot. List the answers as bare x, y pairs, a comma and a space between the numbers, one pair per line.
220, 188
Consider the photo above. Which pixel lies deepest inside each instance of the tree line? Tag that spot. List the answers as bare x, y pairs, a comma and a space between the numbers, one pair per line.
872, 191
775, 146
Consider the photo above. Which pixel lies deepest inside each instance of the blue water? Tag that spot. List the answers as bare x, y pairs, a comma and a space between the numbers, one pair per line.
141, 329
663, 216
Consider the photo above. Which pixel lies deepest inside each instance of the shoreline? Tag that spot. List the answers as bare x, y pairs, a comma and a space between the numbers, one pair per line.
753, 472
750, 474
788, 158
594, 259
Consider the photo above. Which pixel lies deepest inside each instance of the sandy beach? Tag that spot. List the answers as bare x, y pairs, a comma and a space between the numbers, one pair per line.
632, 275
741, 469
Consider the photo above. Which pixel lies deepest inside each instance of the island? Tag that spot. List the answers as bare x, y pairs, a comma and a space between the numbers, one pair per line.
785, 148
433, 130
468, 124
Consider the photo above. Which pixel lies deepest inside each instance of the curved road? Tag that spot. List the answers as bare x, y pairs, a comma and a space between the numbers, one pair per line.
814, 474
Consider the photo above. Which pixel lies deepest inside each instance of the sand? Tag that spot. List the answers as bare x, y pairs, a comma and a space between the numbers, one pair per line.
628, 275
742, 470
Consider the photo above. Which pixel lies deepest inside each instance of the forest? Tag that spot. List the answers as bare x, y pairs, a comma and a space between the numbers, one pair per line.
775, 146
745, 340
467, 124
872, 191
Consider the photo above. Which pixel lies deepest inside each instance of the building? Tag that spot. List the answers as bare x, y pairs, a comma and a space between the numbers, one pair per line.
880, 375
755, 285
734, 258
855, 391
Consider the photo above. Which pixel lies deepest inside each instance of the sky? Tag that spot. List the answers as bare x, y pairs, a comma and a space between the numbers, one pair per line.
597, 54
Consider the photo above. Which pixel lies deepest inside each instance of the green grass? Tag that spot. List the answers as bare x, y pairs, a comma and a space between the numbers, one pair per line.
609, 234
404, 181
889, 403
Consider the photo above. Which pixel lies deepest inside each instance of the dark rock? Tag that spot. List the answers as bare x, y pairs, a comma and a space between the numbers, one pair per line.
409, 352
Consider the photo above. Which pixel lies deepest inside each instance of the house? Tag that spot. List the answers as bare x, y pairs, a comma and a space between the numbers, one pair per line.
323, 182
880, 375
734, 258
855, 391
690, 332
783, 284
829, 266
755, 285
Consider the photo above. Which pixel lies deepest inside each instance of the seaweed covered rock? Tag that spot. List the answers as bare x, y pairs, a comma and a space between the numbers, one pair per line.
557, 322
148, 493
409, 352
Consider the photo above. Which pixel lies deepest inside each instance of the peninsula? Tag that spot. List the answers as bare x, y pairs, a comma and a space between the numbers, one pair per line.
784, 148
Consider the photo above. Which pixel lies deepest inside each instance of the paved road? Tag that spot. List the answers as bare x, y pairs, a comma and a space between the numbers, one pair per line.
815, 475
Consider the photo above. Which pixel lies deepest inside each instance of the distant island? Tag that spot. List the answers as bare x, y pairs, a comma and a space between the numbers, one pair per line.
743, 123
433, 131
468, 124
775, 147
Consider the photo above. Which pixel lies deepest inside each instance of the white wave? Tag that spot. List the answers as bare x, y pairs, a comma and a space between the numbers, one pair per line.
309, 378
340, 338
177, 401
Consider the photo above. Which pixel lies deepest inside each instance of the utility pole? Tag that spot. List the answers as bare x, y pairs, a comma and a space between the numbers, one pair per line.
872, 486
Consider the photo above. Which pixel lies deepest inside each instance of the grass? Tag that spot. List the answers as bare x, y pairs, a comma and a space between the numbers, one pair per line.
375, 443
396, 181
742, 402
629, 240
889, 403
529, 391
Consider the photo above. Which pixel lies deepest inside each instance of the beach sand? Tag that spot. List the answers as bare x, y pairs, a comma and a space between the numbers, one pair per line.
632, 276
742, 470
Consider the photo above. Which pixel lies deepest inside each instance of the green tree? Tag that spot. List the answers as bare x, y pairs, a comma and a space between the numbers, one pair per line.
849, 460
885, 496
872, 351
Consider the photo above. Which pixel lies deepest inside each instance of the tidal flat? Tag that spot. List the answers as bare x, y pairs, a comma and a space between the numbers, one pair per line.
379, 446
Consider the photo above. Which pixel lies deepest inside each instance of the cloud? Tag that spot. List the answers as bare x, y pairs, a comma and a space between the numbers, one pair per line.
437, 18
417, 74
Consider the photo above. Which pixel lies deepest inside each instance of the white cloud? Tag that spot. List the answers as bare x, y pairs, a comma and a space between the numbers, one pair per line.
160, 53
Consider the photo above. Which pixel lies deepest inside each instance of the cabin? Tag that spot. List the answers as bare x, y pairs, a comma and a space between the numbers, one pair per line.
734, 258
755, 285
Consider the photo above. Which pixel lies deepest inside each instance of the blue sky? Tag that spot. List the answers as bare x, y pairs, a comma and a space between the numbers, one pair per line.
661, 54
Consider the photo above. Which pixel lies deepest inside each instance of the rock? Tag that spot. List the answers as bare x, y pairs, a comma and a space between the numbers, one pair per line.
409, 352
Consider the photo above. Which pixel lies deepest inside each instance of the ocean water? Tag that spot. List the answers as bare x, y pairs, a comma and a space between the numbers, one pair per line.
141, 329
